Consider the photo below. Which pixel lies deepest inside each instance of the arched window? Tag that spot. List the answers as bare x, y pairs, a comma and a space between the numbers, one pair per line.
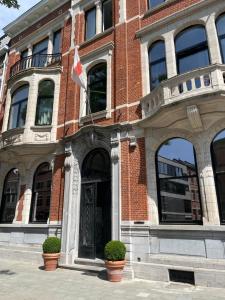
41, 194
220, 25
218, 158
9, 197
18, 110
178, 187
191, 49
97, 88
45, 103
157, 64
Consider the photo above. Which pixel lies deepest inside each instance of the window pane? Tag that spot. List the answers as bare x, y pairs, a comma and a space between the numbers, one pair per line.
40, 51
9, 197
192, 49
218, 158
220, 24
45, 103
193, 61
107, 14
153, 3
40, 204
41, 47
90, 23
20, 94
18, 108
57, 42
97, 82
22, 114
178, 183
157, 64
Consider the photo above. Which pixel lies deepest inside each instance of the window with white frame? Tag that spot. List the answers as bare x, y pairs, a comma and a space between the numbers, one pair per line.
98, 18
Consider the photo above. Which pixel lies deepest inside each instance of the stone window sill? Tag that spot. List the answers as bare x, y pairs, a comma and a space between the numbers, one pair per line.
41, 128
95, 116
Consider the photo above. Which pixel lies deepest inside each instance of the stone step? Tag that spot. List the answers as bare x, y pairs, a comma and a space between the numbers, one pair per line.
191, 262
90, 262
85, 268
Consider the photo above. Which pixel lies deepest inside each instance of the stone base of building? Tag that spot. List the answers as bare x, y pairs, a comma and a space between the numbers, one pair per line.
19, 234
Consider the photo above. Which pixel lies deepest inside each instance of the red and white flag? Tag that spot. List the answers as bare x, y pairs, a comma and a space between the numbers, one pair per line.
77, 70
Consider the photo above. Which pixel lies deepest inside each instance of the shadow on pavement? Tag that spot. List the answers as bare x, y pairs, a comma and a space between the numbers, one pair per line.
7, 272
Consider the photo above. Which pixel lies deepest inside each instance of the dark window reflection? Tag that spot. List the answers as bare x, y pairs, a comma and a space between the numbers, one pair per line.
40, 51
178, 183
218, 157
153, 3
18, 110
192, 49
220, 24
157, 64
57, 42
107, 14
45, 103
90, 17
97, 86
41, 194
9, 197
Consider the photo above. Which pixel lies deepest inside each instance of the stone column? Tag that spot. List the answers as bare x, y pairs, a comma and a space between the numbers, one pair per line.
170, 54
116, 207
98, 16
213, 42
66, 257
207, 185
50, 43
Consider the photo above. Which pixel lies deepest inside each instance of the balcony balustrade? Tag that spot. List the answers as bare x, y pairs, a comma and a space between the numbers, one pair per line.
36, 61
197, 83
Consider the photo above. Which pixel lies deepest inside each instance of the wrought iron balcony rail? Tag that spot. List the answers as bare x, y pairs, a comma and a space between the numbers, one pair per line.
36, 61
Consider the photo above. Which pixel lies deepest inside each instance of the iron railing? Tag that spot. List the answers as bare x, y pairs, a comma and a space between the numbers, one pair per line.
36, 61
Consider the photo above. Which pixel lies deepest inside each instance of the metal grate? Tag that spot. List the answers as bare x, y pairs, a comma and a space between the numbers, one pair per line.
182, 276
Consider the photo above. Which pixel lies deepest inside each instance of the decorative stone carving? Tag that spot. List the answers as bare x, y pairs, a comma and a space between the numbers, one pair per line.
76, 176
115, 137
194, 117
133, 141
41, 137
13, 140
68, 160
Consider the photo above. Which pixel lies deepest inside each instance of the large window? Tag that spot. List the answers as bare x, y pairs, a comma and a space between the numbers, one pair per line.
18, 110
97, 88
218, 157
191, 49
178, 187
41, 194
45, 103
107, 14
157, 64
9, 197
154, 3
220, 24
90, 17
40, 50
57, 42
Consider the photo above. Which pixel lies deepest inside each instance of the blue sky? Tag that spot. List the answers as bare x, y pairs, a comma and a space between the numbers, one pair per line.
7, 15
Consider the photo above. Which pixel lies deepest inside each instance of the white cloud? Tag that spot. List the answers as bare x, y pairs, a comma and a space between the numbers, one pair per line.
7, 15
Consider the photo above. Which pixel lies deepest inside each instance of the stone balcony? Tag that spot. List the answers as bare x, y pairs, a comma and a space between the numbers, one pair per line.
195, 85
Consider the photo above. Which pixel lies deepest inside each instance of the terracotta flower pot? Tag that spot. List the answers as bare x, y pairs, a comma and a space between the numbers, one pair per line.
51, 261
115, 270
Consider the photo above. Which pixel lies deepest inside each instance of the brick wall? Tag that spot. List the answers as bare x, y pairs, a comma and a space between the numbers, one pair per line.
56, 208
133, 185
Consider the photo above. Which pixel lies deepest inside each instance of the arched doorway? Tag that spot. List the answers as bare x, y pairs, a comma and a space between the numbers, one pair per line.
95, 207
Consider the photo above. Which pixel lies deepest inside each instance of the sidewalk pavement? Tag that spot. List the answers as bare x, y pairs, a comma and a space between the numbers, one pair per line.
23, 281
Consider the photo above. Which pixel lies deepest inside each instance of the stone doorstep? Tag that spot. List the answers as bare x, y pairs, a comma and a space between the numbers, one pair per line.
80, 267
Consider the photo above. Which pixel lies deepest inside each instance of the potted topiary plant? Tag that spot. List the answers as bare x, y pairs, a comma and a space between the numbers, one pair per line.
51, 253
115, 252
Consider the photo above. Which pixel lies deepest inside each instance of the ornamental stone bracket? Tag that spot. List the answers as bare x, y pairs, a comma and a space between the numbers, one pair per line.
115, 138
194, 117
69, 159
